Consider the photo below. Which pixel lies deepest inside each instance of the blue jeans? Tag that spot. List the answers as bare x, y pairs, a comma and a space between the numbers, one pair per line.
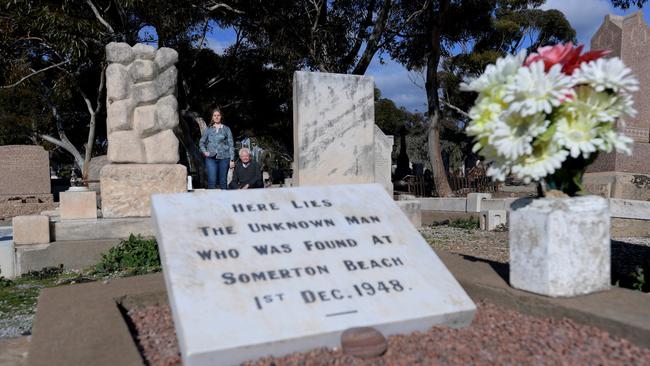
217, 171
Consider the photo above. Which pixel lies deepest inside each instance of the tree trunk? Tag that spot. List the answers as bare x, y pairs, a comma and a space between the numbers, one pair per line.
90, 143
433, 103
196, 159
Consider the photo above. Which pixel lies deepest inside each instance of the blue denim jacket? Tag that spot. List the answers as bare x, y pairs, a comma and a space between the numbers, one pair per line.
218, 143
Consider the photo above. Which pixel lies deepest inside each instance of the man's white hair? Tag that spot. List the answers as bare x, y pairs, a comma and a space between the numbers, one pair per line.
244, 150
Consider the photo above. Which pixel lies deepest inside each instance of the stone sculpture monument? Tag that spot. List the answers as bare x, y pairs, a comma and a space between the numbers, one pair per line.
617, 175
142, 112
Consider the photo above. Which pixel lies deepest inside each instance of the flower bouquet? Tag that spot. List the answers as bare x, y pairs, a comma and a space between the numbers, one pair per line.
546, 117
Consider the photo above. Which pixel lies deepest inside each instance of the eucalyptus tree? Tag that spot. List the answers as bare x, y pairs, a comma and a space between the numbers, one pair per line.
465, 35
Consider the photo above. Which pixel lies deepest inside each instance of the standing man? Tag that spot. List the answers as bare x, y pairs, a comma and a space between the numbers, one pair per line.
247, 173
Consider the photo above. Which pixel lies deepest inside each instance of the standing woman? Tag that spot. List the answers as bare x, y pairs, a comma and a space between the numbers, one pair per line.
217, 146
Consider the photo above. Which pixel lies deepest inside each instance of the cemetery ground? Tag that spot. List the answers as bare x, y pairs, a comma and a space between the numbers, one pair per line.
489, 340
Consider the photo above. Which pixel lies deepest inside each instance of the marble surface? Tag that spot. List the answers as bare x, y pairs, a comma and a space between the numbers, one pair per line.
336, 257
383, 152
560, 247
333, 129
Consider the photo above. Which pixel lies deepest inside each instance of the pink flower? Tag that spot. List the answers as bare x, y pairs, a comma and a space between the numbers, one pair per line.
566, 55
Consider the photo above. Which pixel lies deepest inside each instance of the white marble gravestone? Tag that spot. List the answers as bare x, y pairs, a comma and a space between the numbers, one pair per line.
383, 152
333, 128
270, 272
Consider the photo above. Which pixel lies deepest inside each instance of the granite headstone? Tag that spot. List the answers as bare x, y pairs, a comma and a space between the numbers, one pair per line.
24, 170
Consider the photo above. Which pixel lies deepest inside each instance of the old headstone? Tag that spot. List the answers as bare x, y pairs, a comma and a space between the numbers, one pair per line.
24, 180
333, 129
617, 175
94, 170
31, 229
383, 151
270, 272
142, 112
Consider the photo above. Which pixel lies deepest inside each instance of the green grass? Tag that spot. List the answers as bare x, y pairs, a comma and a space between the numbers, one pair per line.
469, 223
18, 297
134, 256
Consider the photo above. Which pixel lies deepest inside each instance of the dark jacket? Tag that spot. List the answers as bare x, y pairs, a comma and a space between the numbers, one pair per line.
251, 175
218, 143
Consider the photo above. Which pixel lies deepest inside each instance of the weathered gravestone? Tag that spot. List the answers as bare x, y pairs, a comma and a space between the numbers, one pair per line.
270, 272
24, 180
383, 151
334, 133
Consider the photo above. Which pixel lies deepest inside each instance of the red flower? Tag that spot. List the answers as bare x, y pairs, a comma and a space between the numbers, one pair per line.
566, 55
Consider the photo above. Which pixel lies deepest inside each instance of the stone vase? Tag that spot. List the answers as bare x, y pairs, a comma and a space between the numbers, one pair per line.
560, 247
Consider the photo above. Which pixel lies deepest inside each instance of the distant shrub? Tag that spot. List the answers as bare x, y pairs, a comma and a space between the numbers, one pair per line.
468, 223
44, 273
5, 282
136, 254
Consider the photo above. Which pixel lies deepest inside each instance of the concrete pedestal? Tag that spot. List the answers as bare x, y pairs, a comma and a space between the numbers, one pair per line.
77, 205
127, 188
560, 247
492, 219
33, 229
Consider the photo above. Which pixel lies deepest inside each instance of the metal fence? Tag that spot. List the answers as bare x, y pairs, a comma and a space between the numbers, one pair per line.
460, 186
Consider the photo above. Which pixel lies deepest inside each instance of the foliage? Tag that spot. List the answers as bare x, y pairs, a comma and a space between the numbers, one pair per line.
136, 254
468, 223
625, 4
44, 273
4, 282
639, 279
252, 79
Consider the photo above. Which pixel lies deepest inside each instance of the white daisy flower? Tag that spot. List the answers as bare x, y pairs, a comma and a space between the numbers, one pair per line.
495, 74
618, 141
512, 137
534, 91
606, 74
483, 115
545, 160
579, 134
601, 106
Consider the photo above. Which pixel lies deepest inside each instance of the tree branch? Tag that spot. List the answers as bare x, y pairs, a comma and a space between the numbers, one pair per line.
453, 107
99, 17
354, 51
372, 44
225, 6
33, 74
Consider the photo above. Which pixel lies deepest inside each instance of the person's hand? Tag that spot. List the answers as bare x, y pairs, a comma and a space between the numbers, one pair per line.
232, 164
206, 154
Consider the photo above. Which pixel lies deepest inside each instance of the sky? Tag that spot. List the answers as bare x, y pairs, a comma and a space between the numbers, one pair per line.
406, 88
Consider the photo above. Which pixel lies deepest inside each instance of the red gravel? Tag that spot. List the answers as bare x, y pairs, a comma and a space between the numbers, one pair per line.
496, 337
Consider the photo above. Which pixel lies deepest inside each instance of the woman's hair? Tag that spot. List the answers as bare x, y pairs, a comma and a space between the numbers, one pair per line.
215, 109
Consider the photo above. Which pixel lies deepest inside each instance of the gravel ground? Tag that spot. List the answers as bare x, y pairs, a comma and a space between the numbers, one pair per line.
493, 245
15, 325
490, 245
496, 337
